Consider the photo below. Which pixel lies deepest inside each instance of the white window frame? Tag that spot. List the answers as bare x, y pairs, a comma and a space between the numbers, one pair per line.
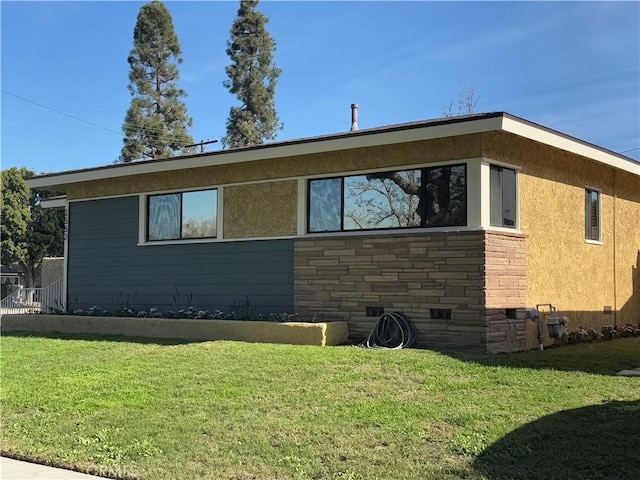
471, 200
592, 241
143, 217
485, 179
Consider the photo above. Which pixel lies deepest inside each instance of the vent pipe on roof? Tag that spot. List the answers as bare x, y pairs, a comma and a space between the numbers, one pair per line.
354, 117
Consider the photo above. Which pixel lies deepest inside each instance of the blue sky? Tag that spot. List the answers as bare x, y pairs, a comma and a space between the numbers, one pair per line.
572, 66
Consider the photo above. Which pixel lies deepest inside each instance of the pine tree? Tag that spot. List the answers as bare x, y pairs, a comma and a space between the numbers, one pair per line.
156, 122
252, 78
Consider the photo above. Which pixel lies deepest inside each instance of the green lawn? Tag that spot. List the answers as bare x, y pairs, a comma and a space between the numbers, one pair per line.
228, 410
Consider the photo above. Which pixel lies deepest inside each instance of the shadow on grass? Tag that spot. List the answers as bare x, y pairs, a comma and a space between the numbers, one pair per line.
600, 358
102, 338
596, 442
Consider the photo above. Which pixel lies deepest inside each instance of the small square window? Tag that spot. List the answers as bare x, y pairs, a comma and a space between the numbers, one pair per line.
592, 215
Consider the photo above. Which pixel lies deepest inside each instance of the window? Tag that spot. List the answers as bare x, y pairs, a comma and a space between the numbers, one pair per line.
503, 202
592, 215
183, 215
426, 197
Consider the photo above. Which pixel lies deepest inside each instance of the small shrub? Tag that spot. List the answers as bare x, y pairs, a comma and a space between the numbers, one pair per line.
608, 332
578, 336
239, 311
594, 335
283, 317
629, 330
243, 311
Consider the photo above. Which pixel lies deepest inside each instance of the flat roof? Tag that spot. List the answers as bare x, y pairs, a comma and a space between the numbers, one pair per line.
387, 135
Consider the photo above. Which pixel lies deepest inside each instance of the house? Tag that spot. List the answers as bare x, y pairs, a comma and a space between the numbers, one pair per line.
10, 280
461, 223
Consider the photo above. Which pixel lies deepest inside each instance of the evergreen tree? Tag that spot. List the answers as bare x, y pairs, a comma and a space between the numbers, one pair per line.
252, 78
156, 122
28, 232
15, 214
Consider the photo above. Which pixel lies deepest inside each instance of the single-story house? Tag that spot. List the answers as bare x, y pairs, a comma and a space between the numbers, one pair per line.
461, 223
10, 280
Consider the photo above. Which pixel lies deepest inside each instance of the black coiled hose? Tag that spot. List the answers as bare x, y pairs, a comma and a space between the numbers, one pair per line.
393, 330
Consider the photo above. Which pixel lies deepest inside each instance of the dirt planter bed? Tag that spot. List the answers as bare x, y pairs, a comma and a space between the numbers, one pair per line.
295, 333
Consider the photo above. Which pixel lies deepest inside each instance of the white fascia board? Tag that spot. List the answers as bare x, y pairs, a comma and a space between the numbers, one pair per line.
359, 139
55, 203
569, 144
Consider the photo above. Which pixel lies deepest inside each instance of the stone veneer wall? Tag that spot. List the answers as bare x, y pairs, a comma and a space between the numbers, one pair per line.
506, 291
480, 276
337, 278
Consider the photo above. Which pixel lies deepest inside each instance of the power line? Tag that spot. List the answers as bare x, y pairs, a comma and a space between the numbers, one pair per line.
150, 132
540, 92
558, 80
484, 99
60, 113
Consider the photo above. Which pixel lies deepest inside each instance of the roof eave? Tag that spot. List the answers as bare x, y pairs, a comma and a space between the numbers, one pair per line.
407, 132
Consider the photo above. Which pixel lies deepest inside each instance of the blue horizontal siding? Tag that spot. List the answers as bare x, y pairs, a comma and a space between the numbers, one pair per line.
108, 269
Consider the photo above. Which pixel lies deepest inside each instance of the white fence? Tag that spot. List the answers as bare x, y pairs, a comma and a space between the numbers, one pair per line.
47, 299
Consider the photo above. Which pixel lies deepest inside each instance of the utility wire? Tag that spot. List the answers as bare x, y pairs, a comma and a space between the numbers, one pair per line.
558, 80
483, 100
154, 132
553, 89
151, 132
60, 113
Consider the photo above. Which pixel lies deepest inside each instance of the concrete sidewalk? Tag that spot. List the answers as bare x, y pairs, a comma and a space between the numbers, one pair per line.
11, 469
634, 372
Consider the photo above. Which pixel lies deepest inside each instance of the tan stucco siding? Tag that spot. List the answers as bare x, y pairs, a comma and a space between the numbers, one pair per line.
563, 269
627, 235
427, 151
261, 210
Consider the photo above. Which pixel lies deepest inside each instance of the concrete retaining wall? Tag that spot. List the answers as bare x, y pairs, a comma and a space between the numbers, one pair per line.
294, 333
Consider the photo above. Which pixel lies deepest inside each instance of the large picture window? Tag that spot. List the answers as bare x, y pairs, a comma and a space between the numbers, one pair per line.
503, 202
183, 215
592, 215
426, 197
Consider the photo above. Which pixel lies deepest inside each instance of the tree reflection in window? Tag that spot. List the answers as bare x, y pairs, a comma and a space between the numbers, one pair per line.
325, 205
390, 200
182, 215
164, 217
428, 197
446, 196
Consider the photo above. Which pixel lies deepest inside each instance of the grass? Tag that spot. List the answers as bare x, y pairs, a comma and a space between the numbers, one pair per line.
228, 410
